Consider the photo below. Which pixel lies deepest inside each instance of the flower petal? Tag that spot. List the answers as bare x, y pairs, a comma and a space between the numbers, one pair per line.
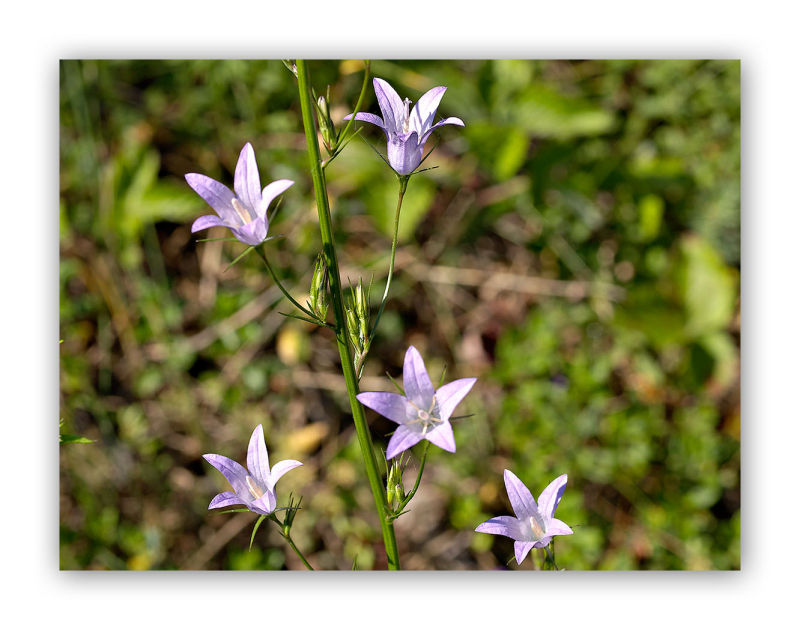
207, 221
392, 406
416, 382
447, 121
539, 544
501, 526
391, 106
551, 495
443, 437
280, 469
424, 111
224, 499
253, 233
258, 457
401, 440
216, 195
404, 153
520, 497
236, 474
370, 118
270, 192
558, 528
246, 181
448, 396
521, 549
265, 504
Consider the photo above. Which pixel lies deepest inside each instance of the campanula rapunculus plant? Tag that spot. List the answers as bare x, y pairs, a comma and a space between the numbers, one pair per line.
406, 129
534, 525
254, 486
243, 213
423, 413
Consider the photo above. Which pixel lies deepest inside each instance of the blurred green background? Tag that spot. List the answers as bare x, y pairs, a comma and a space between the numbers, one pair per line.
577, 249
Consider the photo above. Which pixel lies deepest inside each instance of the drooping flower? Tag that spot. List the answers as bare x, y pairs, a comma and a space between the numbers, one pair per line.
423, 414
406, 130
534, 525
254, 486
243, 213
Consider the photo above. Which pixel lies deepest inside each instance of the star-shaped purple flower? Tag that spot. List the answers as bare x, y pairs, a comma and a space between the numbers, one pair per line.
423, 414
253, 488
534, 525
243, 213
406, 131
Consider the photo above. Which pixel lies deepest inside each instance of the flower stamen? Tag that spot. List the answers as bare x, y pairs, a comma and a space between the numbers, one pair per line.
254, 489
244, 215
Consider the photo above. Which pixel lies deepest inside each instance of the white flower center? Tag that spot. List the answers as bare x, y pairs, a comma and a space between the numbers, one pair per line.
244, 215
407, 104
253, 487
537, 527
426, 418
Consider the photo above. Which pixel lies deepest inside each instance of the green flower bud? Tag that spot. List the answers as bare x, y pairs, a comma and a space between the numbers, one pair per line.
326, 127
318, 295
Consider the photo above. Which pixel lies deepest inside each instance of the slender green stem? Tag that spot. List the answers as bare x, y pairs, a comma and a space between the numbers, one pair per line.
551, 556
411, 494
288, 539
337, 299
385, 298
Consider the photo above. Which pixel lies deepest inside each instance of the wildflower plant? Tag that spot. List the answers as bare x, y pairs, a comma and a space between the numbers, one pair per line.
421, 411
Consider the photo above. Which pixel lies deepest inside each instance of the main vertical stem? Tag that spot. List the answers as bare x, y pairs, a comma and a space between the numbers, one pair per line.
337, 298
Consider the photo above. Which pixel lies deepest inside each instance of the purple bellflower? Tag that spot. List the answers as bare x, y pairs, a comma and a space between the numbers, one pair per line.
534, 525
406, 131
423, 414
243, 213
254, 486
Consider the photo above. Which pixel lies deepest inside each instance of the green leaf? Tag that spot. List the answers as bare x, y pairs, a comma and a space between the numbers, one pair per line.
707, 286
651, 210
255, 529
546, 113
66, 438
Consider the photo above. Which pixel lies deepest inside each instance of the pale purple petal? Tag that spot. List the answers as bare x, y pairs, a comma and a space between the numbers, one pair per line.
258, 457
448, 396
404, 153
447, 121
401, 440
253, 233
539, 544
391, 105
208, 221
280, 469
392, 406
216, 195
265, 504
270, 192
246, 181
551, 495
519, 495
558, 528
225, 499
443, 437
521, 549
416, 382
236, 474
370, 118
424, 111
501, 526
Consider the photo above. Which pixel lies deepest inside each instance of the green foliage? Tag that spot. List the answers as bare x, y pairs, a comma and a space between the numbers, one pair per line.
577, 249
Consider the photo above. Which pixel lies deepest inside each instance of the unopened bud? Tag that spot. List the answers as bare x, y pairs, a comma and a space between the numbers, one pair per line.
318, 295
326, 127
290, 65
